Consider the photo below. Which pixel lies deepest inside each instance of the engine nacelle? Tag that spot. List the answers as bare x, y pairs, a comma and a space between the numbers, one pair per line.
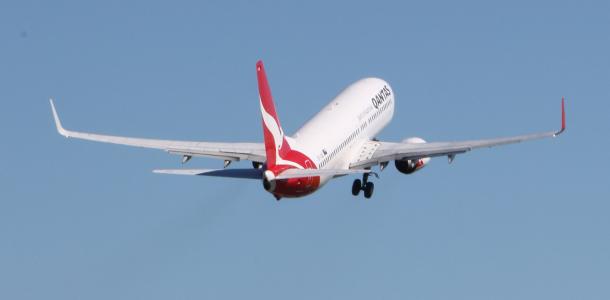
409, 166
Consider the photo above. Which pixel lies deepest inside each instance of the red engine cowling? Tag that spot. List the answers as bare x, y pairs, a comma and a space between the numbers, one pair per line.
409, 166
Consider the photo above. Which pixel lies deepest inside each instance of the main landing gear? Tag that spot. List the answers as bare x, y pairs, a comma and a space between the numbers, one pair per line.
363, 185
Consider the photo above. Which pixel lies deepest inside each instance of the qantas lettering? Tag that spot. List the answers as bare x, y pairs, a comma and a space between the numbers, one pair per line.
381, 97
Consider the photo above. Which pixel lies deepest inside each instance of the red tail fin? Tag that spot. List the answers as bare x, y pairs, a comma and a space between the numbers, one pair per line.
272, 130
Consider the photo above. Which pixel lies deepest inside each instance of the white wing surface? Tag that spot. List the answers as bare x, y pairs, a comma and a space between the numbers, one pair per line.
382, 152
225, 151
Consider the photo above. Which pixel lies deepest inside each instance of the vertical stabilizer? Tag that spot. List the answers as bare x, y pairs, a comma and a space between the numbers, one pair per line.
272, 130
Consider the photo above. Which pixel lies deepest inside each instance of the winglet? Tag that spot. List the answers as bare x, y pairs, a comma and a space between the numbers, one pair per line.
60, 128
563, 118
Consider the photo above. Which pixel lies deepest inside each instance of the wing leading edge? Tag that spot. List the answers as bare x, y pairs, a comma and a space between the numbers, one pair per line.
225, 151
387, 151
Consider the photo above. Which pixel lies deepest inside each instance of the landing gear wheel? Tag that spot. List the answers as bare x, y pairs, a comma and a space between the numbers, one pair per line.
368, 190
356, 187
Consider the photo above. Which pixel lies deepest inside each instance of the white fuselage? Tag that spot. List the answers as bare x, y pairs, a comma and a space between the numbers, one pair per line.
333, 137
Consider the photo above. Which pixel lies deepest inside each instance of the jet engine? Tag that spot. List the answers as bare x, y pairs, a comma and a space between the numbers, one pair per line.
409, 166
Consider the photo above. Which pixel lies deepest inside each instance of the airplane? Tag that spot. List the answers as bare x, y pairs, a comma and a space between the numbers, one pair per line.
338, 141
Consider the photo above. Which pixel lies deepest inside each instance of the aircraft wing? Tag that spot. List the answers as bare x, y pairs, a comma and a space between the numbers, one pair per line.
375, 152
225, 151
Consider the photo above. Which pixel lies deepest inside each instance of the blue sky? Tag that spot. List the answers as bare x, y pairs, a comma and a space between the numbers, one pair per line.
80, 220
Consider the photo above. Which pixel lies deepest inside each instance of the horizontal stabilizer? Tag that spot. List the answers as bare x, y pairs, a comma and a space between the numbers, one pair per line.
231, 173
258, 173
297, 173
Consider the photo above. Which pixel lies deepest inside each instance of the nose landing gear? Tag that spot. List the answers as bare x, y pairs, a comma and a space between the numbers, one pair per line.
364, 185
